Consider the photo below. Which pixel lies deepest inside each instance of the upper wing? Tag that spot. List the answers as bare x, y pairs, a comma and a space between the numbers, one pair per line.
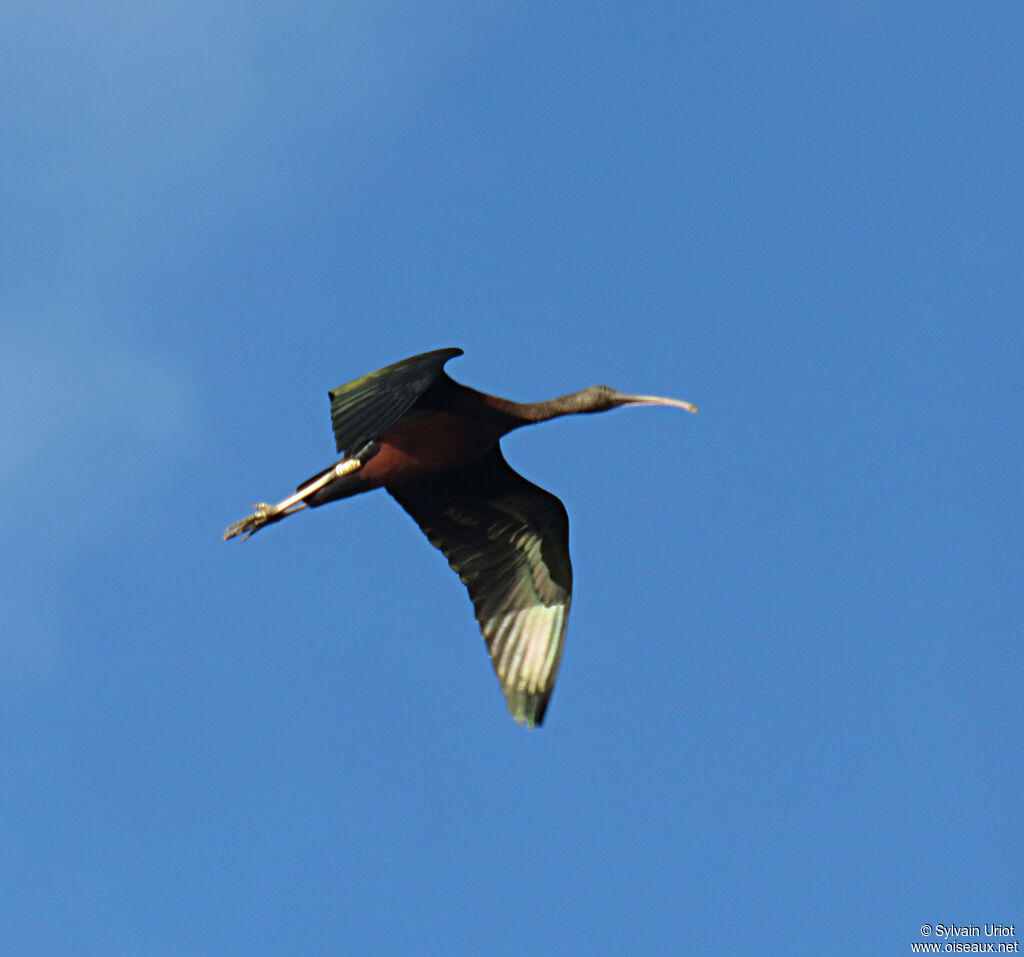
365, 408
508, 541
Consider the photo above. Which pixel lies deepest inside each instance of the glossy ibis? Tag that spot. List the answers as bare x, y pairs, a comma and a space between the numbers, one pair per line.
434, 445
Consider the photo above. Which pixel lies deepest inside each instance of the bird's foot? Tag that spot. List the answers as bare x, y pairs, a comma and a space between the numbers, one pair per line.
263, 514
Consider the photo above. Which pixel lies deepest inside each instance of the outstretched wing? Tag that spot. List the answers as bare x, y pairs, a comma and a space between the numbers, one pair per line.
508, 541
365, 408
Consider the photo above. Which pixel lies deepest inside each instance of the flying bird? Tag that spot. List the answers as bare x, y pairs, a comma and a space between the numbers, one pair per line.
434, 445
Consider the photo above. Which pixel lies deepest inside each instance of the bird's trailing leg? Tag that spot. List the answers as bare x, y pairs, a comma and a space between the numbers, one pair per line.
265, 514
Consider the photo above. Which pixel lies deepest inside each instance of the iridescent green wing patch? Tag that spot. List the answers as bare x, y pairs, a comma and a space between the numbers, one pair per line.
508, 540
365, 408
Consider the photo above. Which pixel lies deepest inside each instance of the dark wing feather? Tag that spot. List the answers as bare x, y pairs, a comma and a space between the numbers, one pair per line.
508, 541
365, 408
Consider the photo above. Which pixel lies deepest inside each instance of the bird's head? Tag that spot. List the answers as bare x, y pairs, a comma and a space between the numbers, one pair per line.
601, 398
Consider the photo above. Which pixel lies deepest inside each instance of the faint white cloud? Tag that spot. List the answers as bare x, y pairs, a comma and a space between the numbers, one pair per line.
122, 104
30, 644
80, 420
82, 424
57, 394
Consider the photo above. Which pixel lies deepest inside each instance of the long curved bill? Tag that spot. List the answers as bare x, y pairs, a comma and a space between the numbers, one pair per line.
660, 400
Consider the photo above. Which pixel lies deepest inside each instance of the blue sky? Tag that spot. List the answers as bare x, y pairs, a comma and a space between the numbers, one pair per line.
789, 714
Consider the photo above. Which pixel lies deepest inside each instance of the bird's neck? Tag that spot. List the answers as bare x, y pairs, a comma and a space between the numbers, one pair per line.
511, 415
527, 413
505, 413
